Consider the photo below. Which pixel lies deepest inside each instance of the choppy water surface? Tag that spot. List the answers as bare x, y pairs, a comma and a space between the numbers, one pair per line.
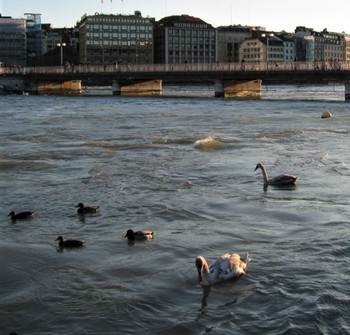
183, 167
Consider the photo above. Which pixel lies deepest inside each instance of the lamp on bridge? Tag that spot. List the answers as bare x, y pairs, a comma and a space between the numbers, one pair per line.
61, 45
267, 45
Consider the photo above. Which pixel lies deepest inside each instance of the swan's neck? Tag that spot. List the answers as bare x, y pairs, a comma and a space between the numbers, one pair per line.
265, 176
205, 275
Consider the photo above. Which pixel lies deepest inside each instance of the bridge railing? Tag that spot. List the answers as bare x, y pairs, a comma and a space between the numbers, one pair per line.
243, 66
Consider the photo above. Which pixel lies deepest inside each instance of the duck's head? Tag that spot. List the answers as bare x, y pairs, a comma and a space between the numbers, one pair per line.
12, 213
59, 238
80, 205
258, 166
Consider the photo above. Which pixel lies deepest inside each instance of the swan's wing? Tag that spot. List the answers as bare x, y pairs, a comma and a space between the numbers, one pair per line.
283, 179
226, 267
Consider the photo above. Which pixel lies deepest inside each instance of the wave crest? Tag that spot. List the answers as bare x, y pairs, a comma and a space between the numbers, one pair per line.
209, 143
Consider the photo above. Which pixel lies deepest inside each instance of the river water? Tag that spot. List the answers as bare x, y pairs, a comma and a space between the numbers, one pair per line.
183, 167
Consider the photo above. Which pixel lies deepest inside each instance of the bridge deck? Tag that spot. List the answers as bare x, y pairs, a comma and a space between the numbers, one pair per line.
296, 72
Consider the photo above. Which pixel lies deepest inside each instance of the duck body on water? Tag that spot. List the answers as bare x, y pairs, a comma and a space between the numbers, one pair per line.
87, 209
281, 180
226, 267
21, 215
70, 243
139, 235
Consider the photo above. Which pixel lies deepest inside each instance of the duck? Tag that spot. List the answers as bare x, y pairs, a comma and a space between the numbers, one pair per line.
226, 267
139, 235
281, 180
87, 210
69, 243
21, 215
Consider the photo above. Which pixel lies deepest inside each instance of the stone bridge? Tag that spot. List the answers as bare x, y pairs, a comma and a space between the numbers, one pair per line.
231, 80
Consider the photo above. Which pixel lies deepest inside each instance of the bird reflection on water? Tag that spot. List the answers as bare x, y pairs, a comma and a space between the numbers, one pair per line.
206, 291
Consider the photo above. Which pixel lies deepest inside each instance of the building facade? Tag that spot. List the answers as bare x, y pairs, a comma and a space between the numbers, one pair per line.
184, 39
229, 39
266, 48
252, 50
347, 47
110, 39
35, 39
334, 46
321, 46
13, 41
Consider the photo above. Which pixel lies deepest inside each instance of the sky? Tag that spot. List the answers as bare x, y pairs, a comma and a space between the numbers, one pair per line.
274, 15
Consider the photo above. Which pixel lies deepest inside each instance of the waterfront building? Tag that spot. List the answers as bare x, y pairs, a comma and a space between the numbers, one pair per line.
346, 47
184, 39
54, 38
309, 48
229, 39
325, 48
35, 39
334, 46
111, 39
265, 48
252, 50
51, 38
13, 41
288, 46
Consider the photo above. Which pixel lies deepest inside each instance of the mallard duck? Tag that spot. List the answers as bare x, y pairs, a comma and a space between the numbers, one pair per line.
69, 243
226, 267
21, 215
87, 210
139, 235
281, 180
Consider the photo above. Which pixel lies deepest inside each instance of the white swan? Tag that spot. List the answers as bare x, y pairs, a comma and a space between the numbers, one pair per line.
281, 180
226, 267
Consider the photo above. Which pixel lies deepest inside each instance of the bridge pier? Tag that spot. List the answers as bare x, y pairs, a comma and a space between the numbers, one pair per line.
347, 90
219, 89
20, 86
69, 87
137, 88
233, 89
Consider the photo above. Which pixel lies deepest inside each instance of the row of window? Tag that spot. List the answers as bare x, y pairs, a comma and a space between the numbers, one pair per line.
94, 27
189, 40
118, 43
199, 60
191, 25
259, 56
188, 33
340, 49
189, 47
252, 50
128, 20
333, 55
192, 54
106, 52
119, 35
13, 52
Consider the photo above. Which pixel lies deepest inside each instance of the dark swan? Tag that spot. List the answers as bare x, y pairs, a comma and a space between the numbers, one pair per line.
281, 180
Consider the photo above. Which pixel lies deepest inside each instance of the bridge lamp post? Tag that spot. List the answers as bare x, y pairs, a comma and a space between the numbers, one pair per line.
61, 45
267, 46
